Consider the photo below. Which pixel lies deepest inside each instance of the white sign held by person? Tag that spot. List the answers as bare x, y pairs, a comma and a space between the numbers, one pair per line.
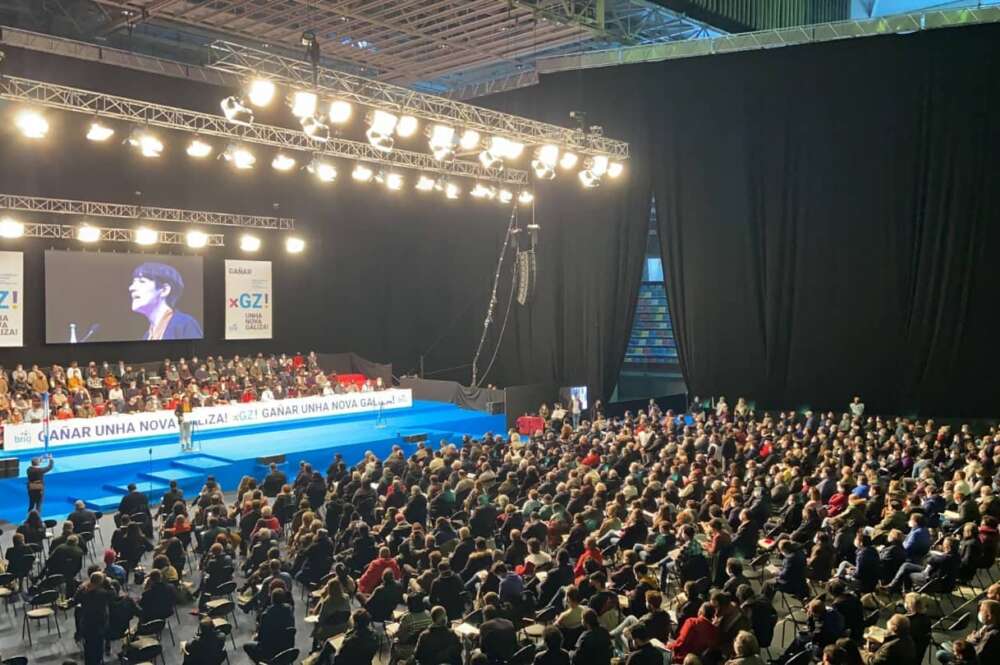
227, 416
249, 300
11, 299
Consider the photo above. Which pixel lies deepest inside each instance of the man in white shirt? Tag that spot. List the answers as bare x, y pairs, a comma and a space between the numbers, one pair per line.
266, 395
857, 407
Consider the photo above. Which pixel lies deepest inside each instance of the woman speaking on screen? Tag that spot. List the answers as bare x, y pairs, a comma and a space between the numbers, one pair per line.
155, 290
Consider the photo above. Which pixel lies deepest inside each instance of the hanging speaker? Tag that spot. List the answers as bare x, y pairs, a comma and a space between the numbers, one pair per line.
523, 277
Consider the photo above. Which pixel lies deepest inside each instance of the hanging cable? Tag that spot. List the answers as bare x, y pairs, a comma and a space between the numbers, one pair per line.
503, 327
493, 296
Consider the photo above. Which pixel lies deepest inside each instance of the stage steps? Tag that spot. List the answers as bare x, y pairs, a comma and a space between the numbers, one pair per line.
104, 504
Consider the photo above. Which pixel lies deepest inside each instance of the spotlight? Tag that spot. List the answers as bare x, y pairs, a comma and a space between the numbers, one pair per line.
145, 236
381, 125
32, 124
589, 180
451, 191
147, 142
470, 140
282, 162
10, 228
295, 245
196, 239
500, 149
544, 163
198, 148
425, 183
308, 39
615, 169
249, 243
99, 131
236, 111
568, 161
340, 112
362, 173
525, 197
303, 104
239, 156
490, 160
406, 127
505, 196
598, 165
481, 191
88, 233
324, 171
261, 92
442, 142
394, 182
315, 129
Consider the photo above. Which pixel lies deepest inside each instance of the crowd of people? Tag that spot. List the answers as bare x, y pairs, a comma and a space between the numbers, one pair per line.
638, 538
112, 388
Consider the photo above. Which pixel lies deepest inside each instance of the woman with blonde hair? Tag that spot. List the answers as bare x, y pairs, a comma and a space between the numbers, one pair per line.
746, 649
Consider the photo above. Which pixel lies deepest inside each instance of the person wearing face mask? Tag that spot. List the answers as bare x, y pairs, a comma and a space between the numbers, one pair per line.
985, 640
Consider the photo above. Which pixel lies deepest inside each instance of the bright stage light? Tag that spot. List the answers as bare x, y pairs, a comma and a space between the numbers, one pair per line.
303, 104
10, 228
88, 233
147, 142
282, 162
505, 196
196, 239
324, 171
451, 191
199, 149
249, 243
615, 169
394, 182
525, 197
589, 180
32, 124
98, 132
500, 149
145, 236
239, 156
568, 161
295, 245
340, 111
381, 125
236, 111
362, 173
481, 191
261, 92
442, 142
407, 126
315, 129
544, 163
490, 160
598, 165
470, 140
425, 183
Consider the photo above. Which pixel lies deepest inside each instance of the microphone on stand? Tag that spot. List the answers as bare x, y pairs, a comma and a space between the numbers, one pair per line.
93, 329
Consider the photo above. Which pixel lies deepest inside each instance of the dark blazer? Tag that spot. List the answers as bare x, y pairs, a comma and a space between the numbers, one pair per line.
896, 651
446, 591
593, 648
438, 645
792, 576
181, 326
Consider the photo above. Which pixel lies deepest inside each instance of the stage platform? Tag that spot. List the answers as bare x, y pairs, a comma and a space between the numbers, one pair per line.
100, 473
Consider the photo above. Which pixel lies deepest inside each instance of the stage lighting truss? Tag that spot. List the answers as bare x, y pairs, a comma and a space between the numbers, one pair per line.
91, 209
149, 116
89, 234
247, 62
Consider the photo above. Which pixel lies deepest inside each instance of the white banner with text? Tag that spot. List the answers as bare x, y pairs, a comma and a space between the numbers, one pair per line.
249, 300
11, 299
228, 416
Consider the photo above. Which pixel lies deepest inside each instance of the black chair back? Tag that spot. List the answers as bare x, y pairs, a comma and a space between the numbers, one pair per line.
151, 628
286, 657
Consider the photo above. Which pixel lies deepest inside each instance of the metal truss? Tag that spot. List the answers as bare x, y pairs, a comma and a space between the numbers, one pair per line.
125, 211
764, 39
68, 232
168, 117
243, 60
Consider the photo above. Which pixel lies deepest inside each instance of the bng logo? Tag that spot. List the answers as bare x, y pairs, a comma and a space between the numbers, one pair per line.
250, 301
8, 299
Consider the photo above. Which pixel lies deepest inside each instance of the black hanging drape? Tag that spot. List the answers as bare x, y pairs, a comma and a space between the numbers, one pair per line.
829, 218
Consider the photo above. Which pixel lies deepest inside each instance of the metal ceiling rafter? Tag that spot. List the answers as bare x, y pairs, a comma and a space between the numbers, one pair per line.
52, 206
169, 117
246, 61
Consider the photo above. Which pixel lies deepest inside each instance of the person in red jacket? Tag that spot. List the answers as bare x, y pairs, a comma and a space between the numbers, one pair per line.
698, 634
590, 551
372, 576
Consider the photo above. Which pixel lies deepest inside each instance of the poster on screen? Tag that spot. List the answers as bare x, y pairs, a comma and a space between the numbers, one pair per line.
26, 436
249, 300
11, 299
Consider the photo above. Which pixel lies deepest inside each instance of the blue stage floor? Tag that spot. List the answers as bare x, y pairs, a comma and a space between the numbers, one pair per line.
99, 473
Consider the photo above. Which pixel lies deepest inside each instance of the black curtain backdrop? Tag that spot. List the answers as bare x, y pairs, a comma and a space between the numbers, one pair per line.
388, 276
828, 214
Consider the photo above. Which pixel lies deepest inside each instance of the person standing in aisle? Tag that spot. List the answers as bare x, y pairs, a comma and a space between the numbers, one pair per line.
36, 483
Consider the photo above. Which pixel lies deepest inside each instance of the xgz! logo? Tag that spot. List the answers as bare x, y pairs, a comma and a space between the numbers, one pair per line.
8, 299
250, 301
